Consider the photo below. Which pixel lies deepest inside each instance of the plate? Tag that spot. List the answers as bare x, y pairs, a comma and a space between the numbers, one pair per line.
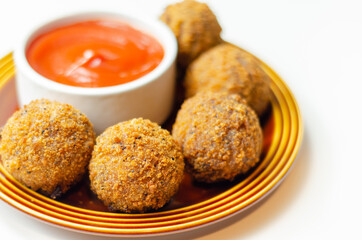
194, 206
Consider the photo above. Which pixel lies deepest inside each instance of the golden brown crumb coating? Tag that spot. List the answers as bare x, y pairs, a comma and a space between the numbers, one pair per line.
229, 68
195, 27
47, 146
136, 166
220, 136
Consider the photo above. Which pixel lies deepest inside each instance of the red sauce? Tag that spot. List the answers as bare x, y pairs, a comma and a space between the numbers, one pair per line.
97, 53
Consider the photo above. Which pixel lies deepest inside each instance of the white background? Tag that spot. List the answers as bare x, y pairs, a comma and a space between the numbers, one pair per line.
316, 47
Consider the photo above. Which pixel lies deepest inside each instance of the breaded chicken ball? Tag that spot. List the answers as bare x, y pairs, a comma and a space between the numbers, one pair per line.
229, 68
47, 146
220, 136
195, 27
136, 166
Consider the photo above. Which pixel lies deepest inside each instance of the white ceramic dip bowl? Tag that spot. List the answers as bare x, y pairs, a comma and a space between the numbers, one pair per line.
150, 96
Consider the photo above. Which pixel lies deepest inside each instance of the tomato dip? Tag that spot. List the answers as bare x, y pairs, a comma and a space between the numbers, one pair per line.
95, 53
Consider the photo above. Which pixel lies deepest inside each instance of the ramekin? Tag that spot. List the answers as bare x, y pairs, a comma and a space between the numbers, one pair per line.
150, 96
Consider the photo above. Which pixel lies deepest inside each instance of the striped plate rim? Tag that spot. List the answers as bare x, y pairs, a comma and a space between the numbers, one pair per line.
267, 176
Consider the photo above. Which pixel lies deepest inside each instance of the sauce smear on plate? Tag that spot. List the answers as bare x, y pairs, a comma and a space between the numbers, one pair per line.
96, 53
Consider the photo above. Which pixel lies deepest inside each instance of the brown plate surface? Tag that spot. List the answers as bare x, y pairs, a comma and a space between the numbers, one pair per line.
195, 205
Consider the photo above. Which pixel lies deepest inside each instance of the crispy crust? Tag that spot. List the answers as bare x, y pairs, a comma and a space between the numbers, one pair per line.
220, 136
136, 166
228, 68
195, 27
46, 146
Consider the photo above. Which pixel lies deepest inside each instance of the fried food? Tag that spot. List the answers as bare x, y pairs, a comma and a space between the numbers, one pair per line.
136, 166
229, 68
195, 27
220, 136
46, 146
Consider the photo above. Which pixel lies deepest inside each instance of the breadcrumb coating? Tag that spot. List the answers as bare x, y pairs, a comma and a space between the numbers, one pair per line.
229, 68
136, 166
220, 136
47, 146
195, 27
